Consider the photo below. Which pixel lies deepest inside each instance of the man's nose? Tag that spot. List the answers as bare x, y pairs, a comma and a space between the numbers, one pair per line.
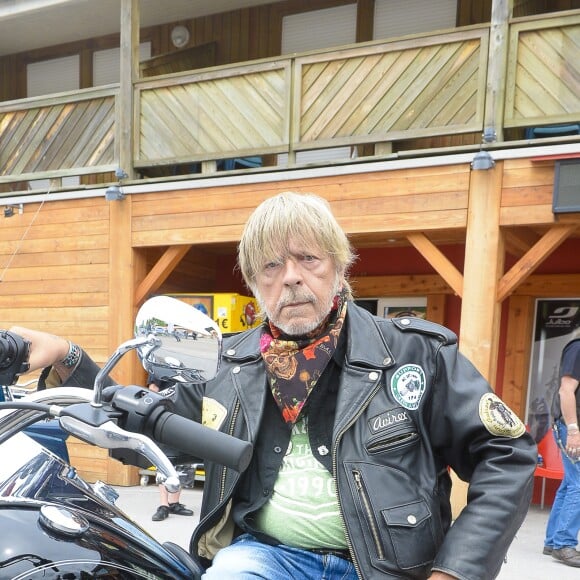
292, 273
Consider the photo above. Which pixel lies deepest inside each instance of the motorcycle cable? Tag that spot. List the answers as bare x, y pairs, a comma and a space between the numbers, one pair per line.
48, 410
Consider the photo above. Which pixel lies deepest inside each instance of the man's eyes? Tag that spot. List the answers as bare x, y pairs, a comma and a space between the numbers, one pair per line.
305, 258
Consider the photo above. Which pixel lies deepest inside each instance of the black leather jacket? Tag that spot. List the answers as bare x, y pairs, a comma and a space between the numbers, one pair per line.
408, 406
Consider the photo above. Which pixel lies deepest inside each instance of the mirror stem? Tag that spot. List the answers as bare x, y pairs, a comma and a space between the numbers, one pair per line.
113, 360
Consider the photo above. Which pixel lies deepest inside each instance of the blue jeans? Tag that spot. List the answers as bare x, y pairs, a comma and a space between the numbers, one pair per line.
564, 520
249, 558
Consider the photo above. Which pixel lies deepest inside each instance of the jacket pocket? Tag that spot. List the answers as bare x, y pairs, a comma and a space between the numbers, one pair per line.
398, 524
411, 534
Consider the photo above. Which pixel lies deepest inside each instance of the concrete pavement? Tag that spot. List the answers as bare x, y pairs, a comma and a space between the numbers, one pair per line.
525, 560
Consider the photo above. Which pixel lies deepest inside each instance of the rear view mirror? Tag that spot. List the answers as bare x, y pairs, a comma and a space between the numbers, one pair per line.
185, 344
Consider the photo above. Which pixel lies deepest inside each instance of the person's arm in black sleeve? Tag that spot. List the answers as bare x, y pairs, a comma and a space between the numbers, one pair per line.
486, 444
64, 363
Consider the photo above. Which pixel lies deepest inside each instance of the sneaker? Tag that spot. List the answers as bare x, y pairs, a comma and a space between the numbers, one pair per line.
179, 509
568, 556
547, 551
161, 514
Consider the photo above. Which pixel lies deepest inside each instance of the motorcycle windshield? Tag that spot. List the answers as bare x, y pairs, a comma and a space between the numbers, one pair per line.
28, 470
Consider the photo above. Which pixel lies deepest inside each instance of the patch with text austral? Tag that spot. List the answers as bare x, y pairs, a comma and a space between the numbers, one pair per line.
389, 419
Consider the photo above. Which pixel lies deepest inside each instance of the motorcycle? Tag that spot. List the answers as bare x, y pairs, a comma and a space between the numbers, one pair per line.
54, 524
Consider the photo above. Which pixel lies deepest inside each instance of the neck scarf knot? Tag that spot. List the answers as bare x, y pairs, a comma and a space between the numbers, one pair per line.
294, 364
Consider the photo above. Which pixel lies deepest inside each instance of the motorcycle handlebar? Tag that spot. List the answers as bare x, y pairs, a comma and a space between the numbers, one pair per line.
194, 439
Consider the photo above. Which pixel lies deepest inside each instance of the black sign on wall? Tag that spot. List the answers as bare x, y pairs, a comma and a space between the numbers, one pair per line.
566, 197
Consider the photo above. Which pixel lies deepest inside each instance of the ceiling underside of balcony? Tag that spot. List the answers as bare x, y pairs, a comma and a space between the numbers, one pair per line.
31, 24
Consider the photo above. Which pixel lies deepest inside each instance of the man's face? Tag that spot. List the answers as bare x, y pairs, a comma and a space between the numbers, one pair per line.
296, 292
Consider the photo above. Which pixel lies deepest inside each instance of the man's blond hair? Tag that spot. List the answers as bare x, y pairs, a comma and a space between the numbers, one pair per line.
302, 218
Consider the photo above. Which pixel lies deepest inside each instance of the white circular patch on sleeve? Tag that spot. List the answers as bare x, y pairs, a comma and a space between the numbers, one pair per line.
498, 418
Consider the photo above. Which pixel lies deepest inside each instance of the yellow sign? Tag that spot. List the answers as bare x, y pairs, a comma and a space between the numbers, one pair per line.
231, 312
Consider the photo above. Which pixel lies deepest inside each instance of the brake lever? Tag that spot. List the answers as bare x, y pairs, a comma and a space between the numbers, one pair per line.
108, 435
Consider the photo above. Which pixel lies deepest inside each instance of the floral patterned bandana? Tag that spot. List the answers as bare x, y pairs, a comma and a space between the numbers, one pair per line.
295, 365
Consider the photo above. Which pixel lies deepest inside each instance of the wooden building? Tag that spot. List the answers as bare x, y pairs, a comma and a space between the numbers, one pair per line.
425, 143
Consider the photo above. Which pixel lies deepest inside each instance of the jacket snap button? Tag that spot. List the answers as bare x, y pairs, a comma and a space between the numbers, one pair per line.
277, 449
231, 352
373, 376
412, 519
236, 370
405, 322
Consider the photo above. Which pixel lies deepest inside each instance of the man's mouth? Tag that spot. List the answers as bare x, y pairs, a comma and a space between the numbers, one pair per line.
295, 304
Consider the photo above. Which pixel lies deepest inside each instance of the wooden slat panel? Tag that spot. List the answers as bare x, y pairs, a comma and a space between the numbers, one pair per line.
530, 216
244, 111
54, 271
58, 136
403, 200
403, 89
543, 78
55, 300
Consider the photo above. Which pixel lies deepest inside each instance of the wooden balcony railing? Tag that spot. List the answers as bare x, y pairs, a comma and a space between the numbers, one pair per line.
543, 73
373, 93
61, 135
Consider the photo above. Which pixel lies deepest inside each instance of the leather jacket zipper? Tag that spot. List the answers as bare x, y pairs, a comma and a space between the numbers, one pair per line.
230, 431
360, 486
334, 466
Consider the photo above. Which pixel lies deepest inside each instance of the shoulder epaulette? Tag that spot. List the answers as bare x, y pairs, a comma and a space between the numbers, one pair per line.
415, 324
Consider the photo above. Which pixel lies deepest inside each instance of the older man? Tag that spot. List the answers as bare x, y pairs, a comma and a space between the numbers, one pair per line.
355, 421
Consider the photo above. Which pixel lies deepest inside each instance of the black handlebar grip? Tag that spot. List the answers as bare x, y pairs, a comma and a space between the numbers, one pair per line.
194, 439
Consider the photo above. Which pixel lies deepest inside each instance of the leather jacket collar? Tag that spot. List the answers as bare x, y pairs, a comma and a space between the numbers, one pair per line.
366, 345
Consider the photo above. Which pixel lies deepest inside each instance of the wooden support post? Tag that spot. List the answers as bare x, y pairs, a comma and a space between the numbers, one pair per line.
501, 11
484, 261
121, 284
121, 317
480, 311
129, 74
121, 266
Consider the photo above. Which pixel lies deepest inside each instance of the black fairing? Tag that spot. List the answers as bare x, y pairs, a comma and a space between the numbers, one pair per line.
108, 546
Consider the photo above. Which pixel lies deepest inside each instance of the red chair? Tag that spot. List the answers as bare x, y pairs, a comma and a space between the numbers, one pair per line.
553, 467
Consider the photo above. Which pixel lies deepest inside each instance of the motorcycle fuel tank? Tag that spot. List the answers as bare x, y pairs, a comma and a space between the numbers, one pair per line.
55, 526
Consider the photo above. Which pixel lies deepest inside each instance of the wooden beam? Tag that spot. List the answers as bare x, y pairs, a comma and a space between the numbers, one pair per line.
518, 242
550, 286
484, 263
121, 284
129, 64
496, 73
438, 260
533, 257
436, 310
539, 285
414, 285
161, 271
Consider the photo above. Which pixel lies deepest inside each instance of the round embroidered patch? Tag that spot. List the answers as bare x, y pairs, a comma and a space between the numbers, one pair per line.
408, 385
498, 418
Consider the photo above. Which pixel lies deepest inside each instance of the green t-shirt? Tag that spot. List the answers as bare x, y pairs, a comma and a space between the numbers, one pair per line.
303, 510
